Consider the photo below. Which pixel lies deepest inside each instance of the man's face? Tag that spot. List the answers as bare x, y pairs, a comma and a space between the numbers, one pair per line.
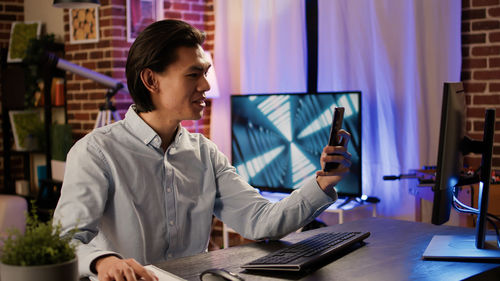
182, 86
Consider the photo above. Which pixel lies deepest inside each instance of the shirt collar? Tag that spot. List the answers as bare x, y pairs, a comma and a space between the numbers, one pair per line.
143, 131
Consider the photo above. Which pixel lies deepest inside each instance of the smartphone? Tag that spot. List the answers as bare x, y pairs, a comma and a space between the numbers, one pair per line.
338, 117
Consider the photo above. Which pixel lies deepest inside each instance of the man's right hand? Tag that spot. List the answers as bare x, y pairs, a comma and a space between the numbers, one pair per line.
111, 268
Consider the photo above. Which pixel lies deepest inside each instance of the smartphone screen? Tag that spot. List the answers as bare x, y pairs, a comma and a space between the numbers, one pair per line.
338, 117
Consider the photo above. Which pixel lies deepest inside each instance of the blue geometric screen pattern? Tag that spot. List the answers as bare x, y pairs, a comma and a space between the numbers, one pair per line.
277, 139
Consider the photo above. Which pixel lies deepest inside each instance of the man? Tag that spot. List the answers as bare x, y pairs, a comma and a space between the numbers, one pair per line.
144, 188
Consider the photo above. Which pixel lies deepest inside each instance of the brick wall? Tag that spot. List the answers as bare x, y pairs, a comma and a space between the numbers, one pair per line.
109, 55
10, 11
481, 68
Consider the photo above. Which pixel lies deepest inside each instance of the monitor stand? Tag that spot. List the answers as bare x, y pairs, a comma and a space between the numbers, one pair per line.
479, 247
461, 248
348, 199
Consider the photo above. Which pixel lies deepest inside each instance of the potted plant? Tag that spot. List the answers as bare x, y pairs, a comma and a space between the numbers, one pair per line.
40, 254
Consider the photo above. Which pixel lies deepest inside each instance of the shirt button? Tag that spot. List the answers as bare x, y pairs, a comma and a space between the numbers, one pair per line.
171, 222
169, 189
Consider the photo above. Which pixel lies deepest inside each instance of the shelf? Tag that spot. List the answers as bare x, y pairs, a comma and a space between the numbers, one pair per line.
22, 152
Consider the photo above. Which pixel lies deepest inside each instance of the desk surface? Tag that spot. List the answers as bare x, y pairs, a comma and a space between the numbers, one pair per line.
392, 252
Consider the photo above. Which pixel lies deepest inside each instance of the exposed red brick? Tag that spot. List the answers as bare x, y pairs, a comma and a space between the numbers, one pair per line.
486, 25
197, 7
119, 63
173, 15
473, 14
475, 112
71, 48
494, 87
180, 6
494, 12
191, 17
88, 126
73, 86
81, 96
208, 18
487, 99
465, 4
473, 38
486, 74
470, 87
494, 37
481, 3
74, 106
210, 28
90, 106
89, 65
81, 116
486, 50
494, 62
474, 63
88, 46
80, 56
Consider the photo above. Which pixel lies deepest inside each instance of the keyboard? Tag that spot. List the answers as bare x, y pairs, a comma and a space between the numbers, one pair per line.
305, 253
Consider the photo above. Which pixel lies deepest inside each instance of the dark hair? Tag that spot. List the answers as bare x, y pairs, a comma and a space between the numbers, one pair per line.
155, 48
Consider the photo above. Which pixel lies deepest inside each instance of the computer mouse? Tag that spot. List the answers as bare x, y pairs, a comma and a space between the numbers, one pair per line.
219, 274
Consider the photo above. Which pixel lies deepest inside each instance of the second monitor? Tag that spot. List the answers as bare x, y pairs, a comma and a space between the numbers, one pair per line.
277, 139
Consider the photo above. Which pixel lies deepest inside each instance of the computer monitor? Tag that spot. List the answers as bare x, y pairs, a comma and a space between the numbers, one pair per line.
453, 145
450, 156
277, 139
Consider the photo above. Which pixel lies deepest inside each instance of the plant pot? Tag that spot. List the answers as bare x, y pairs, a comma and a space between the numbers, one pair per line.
66, 271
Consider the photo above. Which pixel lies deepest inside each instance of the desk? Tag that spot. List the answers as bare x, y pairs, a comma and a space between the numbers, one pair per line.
393, 252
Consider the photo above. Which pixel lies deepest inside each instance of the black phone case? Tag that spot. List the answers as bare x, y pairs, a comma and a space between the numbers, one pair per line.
338, 118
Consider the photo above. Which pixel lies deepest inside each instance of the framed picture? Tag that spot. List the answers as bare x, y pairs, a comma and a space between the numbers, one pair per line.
140, 14
83, 25
27, 128
20, 35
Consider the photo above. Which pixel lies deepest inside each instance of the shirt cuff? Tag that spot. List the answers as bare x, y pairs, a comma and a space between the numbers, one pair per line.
85, 263
312, 193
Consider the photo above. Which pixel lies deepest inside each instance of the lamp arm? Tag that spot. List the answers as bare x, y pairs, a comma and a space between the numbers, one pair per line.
87, 73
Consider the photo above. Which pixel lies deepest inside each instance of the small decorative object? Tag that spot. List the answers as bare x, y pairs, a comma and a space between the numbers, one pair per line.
140, 14
20, 35
39, 254
57, 92
27, 128
84, 25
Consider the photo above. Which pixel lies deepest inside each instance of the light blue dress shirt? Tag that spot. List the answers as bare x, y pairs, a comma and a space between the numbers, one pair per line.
130, 198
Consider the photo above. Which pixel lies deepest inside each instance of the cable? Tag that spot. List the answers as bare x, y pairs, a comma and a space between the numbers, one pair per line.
496, 230
462, 208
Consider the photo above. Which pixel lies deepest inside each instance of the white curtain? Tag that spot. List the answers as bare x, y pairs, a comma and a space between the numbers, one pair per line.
397, 52
260, 47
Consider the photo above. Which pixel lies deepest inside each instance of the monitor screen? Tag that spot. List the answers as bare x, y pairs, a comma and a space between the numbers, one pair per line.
277, 139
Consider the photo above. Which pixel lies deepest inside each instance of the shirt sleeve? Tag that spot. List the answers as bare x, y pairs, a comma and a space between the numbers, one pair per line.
83, 199
242, 208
